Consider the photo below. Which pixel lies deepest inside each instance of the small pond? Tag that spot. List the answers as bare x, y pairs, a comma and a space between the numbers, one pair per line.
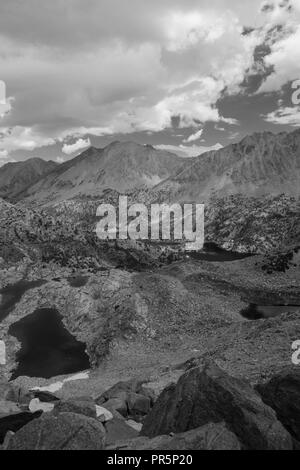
212, 252
47, 347
256, 312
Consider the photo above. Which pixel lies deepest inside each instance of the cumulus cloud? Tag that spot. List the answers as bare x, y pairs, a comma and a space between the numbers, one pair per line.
80, 144
22, 138
76, 69
188, 150
121, 66
285, 116
283, 27
3, 154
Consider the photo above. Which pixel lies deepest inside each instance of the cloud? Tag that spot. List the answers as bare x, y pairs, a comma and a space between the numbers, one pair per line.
194, 136
121, 66
22, 138
188, 151
80, 144
5, 103
283, 37
285, 116
3, 154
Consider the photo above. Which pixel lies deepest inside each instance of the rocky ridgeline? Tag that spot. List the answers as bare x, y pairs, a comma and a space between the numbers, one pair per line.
206, 409
254, 225
66, 234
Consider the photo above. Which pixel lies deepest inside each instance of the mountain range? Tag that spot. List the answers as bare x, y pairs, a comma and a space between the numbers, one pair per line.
259, 165
119, 166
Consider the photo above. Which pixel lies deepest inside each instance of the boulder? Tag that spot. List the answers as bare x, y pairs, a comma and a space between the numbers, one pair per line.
110, 406
117, 429
205, 395
282, 393
133, 424
76, 405
148, 392
138, 404
45, 397
120, 389
117, 404
212, 436
103, 414
15, 393
128, 398
66, 431
36, 405
16, 421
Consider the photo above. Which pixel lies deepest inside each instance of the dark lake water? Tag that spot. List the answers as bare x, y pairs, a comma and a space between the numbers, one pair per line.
212, 252
48, 349
13, 293
255, 312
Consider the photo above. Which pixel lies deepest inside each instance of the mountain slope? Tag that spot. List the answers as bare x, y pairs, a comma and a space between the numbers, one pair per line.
119, 166
259, 165
15, 177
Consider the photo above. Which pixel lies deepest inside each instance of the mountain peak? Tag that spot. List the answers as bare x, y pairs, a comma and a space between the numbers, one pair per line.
120, 166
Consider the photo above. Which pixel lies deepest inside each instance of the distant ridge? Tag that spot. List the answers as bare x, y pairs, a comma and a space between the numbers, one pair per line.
119, 166
261, 164
16, 176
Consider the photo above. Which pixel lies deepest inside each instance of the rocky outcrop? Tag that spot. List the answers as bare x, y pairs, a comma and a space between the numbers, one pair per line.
130, 399
67, 431
209, 395
282, 393
213, 436
253, 225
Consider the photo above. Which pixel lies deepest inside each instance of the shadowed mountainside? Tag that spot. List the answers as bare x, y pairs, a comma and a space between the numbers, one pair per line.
17, 176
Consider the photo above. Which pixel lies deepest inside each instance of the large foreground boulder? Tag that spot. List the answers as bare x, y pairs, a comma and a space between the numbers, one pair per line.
213, 436
16, 421
282, 393
208, 394
66, 431
118, 429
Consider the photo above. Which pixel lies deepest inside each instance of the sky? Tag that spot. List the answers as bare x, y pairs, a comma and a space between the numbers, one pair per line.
182, 75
